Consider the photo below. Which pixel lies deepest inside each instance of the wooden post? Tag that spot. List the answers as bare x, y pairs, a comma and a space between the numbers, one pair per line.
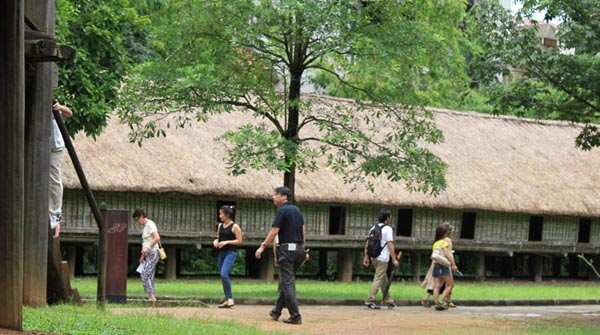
171, 262
71, 250
267, 269
415, 259
116, 222
12, 64
345, 261
38, 101
102, 231
537, 266
480, 267
323, 264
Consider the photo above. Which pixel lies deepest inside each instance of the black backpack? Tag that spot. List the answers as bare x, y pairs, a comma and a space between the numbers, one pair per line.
374, 241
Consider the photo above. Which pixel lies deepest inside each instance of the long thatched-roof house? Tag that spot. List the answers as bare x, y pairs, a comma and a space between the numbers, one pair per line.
514, 186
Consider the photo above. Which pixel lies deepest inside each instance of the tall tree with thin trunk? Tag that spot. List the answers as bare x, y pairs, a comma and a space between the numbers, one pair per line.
261, 56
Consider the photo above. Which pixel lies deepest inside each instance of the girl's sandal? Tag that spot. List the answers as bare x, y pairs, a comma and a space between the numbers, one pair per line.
449, 304
425, 303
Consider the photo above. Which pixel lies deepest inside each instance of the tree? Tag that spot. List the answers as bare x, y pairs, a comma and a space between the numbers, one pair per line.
108, 37
557, 83
257, 56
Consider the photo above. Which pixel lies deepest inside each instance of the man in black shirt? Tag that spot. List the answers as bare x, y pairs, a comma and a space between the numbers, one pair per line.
289, 225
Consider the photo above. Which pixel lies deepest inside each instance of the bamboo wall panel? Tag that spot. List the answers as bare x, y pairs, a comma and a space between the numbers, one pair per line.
560, 229
171, 213
493, 226
255, 216
360, 219
426, 220
316, 219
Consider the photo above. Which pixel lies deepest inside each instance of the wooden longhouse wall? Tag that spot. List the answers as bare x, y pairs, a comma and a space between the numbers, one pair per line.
493, 226
491, 158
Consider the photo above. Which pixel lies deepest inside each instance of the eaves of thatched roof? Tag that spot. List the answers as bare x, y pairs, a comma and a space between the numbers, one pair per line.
496, 163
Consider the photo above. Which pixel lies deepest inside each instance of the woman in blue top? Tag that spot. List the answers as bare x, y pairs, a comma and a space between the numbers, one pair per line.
229, 237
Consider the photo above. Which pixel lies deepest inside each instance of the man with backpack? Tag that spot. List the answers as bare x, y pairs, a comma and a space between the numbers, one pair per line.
379, 249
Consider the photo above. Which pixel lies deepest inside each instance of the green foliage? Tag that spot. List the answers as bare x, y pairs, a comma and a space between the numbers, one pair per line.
256, 56
108, 37
554, 83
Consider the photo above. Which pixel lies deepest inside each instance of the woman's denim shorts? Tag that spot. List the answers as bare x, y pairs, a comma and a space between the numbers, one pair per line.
440, 271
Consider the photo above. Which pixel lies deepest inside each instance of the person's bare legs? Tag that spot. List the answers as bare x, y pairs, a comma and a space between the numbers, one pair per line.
57, 230
448, 290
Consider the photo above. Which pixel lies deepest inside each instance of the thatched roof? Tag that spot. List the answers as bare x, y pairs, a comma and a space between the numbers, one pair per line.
504, 164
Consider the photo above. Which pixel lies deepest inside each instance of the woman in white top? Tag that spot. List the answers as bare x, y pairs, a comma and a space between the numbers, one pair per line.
149, 256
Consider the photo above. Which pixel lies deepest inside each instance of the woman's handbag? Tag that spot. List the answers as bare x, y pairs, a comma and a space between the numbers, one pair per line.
161, 252
438, 256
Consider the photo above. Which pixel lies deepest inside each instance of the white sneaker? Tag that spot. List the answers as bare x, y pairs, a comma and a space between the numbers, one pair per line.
54, 220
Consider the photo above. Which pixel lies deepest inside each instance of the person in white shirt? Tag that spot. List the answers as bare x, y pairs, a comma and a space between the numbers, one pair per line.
149, 255
380, 263
57, 148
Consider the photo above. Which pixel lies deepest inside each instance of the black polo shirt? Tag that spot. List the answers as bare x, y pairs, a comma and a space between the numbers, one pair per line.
289, 220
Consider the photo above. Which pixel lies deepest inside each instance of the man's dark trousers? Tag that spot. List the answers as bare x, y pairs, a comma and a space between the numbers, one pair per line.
289, 263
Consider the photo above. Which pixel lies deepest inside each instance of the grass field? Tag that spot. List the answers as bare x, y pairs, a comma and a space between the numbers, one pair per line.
87, 319
308, 289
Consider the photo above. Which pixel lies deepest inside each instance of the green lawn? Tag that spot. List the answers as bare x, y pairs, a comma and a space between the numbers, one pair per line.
87, 319
309, 289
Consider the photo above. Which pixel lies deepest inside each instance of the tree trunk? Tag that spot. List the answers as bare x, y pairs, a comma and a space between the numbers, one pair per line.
289, 178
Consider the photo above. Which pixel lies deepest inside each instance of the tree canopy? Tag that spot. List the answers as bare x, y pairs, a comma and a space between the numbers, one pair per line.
108, 37
260, 56
560, 83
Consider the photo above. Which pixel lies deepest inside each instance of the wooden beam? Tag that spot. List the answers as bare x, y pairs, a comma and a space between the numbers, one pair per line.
46, 50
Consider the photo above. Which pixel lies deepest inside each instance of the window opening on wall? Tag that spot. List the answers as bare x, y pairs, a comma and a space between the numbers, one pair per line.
585, 228
467, 227
405, 222
223, 203
536, 227
337, 219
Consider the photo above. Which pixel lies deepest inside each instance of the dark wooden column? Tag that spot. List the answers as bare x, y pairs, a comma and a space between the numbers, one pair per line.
415, 259
38, 101
345, 260
480, 267
323, 264
537, 267
12, 164
171, 262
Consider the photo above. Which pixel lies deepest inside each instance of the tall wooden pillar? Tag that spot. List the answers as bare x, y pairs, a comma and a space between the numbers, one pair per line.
263, 268
12, 64
480, 267
38, 102
415, 259
345, 260
323, 264
171, 262
537, 266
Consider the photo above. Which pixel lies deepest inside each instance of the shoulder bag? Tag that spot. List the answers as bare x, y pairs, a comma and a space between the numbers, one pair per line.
161, 251
438, 256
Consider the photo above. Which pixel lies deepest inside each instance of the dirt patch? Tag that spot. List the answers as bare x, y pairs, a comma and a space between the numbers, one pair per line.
354, 320
357, 320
